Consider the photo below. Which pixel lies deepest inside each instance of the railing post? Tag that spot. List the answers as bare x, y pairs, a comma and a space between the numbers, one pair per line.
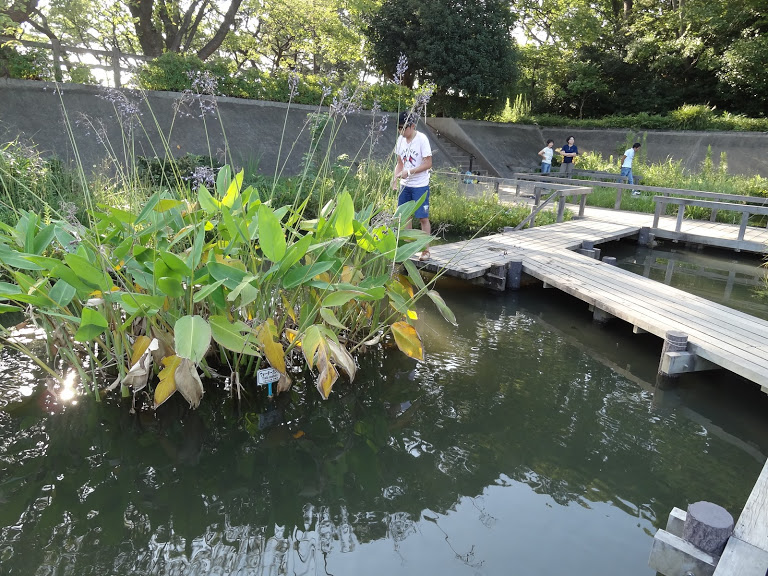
561, 208
116, 65
657, 213
619, 194
743, 227
680, 216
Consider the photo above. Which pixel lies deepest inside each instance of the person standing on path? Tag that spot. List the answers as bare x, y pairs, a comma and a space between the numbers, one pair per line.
546, 153
414, 161
569, 152
626, 165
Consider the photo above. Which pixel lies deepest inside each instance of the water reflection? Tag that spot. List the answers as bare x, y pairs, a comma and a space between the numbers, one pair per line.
525, 431
712, 274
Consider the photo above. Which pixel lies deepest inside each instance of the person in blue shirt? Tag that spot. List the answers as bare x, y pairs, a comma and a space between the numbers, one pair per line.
569, 152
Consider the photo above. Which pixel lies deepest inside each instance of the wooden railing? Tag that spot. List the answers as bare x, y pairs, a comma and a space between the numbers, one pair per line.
59, 52
561, 192
745, 209
621, 186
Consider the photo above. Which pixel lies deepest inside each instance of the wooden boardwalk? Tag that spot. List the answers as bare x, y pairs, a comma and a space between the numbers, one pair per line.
718, 334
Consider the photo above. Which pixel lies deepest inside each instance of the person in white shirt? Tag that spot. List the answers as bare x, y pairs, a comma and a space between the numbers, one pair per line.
414, 161
626, 165
546, 153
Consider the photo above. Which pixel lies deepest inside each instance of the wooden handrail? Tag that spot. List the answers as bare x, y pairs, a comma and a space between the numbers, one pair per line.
745, 209
758, 200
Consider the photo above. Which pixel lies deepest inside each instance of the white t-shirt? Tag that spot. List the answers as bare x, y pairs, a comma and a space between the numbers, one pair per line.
630, 155
412, 154
548, 152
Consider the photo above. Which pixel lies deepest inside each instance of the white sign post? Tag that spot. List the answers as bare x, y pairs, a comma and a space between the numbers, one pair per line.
267, 377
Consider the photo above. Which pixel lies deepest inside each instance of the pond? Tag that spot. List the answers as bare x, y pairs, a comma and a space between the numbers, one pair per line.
530, 441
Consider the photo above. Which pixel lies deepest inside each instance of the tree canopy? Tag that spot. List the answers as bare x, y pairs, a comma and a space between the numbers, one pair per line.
581, 58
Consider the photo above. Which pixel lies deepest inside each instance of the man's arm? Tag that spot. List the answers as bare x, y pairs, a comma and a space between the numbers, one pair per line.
541, 153
398, 171
426, 164
621, 160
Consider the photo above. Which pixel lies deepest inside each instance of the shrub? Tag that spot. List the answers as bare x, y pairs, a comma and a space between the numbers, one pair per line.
30, 65
693, 117
170, 72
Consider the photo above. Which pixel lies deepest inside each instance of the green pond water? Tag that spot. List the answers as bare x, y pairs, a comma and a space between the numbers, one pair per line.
530, 442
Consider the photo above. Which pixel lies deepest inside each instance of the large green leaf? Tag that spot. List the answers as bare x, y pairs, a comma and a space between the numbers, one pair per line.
203, 293
341, 297
344, 215
237, 336
170, 286
89, 273
230, 275
92, 324
44, 238
303, 274
175, 263
18, 260
443, 307
146, 304
192, 337
62, 293
146, 211
207, 203
271, 234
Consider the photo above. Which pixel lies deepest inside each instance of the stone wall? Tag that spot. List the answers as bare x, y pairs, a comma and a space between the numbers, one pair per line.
272, 134
265, 133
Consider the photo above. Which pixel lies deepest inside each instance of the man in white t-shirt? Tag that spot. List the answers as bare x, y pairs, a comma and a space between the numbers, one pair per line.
546, 153
626, 165
414, 161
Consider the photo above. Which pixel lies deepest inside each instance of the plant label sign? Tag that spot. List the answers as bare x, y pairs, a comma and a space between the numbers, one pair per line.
267, 376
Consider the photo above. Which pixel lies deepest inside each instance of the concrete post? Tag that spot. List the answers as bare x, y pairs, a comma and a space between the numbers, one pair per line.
708, 527
514, 274
675, 341
610, 260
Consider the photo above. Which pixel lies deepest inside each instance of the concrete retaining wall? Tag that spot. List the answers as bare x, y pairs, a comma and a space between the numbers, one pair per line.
36, 113
513, 147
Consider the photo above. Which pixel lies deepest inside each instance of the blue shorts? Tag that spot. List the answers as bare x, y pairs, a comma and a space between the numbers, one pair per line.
407, 194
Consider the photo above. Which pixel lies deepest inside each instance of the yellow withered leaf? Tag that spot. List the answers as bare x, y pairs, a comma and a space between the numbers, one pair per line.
412, 315
328, 374
323, 277
405, 282
141, 363
288, 308
167, 385
188, 382
342, 358
408, 340
139, 347
284, 383
266, 335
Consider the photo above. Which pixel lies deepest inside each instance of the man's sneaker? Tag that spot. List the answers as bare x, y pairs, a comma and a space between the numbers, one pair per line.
635, 193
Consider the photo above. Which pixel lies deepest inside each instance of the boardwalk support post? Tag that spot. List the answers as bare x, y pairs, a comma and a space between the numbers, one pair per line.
675, 341
514, 274
610, 260
693, 541
496, 278
645, 237
588, 249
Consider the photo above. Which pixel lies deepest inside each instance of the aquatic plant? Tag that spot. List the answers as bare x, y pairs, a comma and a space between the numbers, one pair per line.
219, 281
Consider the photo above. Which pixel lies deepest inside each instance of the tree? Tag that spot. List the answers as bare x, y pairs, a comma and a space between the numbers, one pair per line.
465, 47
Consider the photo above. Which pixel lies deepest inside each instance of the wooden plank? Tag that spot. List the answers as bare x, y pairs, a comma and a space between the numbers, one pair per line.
742, 559
752, 526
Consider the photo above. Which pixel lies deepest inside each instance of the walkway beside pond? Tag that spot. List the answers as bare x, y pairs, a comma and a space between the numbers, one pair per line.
716, 334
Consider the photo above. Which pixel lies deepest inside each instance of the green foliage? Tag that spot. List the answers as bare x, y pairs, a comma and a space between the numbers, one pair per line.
30, 65
174, 172
463, 47
170, 72
693, 117
453, 212
28, 181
